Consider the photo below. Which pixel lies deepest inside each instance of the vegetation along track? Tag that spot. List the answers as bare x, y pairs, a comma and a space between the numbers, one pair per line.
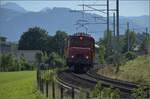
122, 85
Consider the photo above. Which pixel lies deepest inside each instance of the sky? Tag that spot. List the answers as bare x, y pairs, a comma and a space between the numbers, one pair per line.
127, 8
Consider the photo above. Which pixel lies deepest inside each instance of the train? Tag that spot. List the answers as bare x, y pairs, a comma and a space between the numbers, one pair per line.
80, 52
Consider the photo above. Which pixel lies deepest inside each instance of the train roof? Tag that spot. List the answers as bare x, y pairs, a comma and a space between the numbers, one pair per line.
81, 34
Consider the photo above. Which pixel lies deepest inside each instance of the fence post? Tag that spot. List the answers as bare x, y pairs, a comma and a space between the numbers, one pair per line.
72, 93
53, 89
46, 88
61, 92
37, 78
42, 85
87, 95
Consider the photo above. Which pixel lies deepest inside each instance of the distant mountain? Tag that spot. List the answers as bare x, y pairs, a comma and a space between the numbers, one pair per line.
13, 23
14, 6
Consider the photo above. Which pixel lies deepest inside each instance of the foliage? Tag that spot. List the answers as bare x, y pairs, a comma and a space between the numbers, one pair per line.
37, 38
115, 94
130, 55
97, 90
55, 60
145, 45
117, 59
81, 94
38, 58
136, 70
33, 39
139, 93
101, 54
12, 63
59, 42
108, 38
130, 41
6, 61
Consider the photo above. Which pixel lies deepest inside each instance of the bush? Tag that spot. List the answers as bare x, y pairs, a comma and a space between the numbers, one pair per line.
55, 60
11, 63
130, 55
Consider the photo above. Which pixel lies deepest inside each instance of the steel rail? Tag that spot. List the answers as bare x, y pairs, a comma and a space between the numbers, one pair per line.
128, 86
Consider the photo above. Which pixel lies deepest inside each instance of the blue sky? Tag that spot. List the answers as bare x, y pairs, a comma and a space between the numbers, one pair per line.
127, 8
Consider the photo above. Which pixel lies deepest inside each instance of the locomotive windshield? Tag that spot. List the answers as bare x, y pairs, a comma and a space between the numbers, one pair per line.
81, 42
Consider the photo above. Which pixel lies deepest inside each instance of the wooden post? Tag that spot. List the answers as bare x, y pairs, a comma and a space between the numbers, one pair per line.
46, 88
72, 93
61, 92
53, 89
40, 81
42, 85
87, 95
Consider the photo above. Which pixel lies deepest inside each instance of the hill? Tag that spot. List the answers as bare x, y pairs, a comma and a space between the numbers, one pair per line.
14, 20
137, 70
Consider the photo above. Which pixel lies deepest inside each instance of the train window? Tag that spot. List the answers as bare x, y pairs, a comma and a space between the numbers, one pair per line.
80, 42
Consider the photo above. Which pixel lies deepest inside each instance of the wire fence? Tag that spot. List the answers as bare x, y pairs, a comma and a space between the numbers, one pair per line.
53, 89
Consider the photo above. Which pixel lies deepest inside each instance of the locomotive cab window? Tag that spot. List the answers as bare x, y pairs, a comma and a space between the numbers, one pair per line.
80, 41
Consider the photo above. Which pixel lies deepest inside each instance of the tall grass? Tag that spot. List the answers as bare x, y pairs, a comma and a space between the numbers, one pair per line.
137, 70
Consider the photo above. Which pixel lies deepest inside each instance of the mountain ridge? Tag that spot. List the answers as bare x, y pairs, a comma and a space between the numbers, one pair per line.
58, 18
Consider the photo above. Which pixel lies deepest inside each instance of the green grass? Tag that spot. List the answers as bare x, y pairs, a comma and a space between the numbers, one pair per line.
18, 85
137, 70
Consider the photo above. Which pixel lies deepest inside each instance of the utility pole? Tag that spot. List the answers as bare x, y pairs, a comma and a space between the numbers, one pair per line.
146, 30
117, 12
128, 34
107, 16
114, 24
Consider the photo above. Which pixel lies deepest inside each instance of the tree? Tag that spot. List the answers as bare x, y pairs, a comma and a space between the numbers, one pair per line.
33, 39
6, 62
24, 64
59, 42
101, 54
130, 41
145, 45
38, 57
130, 55
55, 60
107, 43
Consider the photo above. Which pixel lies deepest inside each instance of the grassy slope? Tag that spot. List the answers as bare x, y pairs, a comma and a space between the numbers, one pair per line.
18, 85
137, 70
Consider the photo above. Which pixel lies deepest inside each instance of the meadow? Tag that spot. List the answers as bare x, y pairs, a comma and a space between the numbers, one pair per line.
137, 70
19, 85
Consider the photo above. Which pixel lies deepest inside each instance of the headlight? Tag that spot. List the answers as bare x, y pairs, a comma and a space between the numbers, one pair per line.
72, 56
87, 57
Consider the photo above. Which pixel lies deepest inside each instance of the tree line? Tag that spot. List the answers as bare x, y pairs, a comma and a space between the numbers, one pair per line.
36, 38
111, 50
128, 47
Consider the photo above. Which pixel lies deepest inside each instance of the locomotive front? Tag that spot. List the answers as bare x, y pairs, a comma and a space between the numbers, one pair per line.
80, 52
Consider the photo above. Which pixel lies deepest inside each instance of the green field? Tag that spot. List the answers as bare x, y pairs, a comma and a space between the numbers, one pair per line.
18, 85
137, 70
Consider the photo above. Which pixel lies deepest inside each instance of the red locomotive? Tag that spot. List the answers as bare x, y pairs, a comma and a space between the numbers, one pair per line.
80, 52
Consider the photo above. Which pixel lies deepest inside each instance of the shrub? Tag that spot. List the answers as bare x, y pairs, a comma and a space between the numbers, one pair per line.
130, 55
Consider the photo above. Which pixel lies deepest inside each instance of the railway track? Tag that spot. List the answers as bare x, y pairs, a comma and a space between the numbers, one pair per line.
74, 81
122, 85
84, 81
90, 79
